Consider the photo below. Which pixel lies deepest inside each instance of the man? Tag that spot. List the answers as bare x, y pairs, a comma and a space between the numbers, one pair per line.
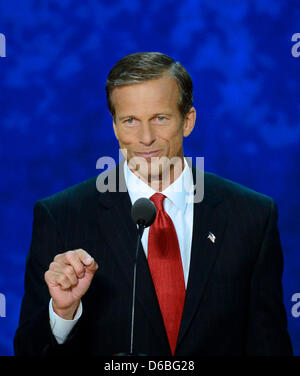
209, 273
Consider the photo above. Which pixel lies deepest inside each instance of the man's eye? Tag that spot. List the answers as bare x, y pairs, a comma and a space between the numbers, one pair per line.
161, 118
129, 121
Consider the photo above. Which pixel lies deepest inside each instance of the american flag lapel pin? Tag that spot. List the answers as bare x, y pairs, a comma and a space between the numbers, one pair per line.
211, 237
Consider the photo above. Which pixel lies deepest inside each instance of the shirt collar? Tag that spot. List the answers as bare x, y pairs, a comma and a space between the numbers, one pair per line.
177, 192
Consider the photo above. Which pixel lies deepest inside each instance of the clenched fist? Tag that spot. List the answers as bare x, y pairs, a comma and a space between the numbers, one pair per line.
68, 278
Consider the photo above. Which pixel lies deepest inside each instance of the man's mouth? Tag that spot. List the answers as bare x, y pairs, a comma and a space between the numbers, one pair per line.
149, 154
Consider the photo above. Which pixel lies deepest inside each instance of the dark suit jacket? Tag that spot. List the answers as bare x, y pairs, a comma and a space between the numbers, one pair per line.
234, 303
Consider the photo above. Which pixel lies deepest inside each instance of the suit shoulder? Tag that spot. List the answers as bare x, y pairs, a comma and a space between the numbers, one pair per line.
74, 196
236, 192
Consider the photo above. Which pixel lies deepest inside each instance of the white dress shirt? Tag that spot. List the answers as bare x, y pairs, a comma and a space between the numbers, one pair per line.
179, 207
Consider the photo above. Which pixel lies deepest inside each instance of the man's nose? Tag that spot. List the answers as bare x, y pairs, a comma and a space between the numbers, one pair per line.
147, 135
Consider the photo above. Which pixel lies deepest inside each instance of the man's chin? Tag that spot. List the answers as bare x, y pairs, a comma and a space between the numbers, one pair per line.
147, 165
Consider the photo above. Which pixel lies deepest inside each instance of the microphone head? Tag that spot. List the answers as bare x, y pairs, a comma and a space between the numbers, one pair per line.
143, 212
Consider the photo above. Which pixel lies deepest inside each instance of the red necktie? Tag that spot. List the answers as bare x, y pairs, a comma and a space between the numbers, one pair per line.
166, 269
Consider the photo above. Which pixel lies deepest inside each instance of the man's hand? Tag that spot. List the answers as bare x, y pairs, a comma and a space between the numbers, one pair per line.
68, 278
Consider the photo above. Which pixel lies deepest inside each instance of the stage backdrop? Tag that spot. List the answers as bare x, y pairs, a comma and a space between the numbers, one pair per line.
55, 56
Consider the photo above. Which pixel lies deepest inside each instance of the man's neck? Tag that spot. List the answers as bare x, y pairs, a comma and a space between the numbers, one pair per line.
164, 179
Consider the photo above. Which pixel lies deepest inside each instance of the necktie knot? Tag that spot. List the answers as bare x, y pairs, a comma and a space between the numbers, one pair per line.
158, 199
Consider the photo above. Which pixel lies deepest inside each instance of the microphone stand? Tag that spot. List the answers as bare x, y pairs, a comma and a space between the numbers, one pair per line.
141, 228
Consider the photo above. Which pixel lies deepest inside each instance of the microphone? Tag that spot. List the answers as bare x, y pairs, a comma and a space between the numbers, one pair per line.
143, 213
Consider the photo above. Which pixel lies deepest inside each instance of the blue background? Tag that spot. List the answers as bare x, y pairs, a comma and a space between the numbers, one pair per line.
55, 123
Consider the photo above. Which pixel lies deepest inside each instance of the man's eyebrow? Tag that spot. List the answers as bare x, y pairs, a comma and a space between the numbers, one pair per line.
167, 113
125, 117
161, 113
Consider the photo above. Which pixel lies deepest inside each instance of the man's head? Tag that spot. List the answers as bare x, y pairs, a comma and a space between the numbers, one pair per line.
150, 97
145, 66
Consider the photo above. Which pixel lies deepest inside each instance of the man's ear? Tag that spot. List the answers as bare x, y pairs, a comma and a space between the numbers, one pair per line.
189, 122
115, 129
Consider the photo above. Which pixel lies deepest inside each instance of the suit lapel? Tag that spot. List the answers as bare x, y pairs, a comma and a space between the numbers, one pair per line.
208, 217
120, 233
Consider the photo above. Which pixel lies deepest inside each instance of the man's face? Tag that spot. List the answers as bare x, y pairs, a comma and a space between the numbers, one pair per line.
148, 123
